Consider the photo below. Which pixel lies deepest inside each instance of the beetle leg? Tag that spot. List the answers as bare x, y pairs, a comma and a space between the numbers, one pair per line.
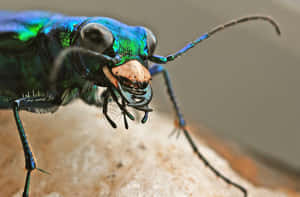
156, 69
145, 117
30, 162
105, 105
124, 116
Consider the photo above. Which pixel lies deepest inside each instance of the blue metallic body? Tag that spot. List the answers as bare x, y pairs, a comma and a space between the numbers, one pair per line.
32, 41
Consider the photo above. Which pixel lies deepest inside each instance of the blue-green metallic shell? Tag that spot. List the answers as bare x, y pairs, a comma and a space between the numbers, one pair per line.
30, 41
28, 44
22, 27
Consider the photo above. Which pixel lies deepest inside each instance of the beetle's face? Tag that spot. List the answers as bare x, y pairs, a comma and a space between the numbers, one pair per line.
131, 46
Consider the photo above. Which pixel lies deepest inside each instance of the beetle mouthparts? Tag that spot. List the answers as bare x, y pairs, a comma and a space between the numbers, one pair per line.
136, 92
137, 98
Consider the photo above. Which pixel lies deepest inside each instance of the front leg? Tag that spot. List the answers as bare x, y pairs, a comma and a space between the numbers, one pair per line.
156, 69
29, 104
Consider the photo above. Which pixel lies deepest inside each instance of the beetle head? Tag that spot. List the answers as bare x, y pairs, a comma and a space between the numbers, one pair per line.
130, 47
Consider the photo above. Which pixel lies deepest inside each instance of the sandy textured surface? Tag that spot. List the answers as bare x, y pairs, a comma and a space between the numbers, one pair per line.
88, 158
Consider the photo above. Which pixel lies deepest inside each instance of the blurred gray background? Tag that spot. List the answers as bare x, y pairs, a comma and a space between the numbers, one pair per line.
242, 83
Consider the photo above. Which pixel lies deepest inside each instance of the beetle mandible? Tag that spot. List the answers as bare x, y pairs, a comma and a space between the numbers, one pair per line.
49, 59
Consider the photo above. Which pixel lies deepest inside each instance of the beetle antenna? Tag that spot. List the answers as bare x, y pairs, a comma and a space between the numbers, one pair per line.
163, 60
59, 60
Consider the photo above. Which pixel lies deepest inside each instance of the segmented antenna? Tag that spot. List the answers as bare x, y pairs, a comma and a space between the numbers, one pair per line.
163, 60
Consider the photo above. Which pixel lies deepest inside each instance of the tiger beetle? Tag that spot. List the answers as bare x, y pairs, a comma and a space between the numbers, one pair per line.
49, 59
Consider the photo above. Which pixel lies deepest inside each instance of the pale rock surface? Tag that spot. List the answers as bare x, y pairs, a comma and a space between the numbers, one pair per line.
86, 157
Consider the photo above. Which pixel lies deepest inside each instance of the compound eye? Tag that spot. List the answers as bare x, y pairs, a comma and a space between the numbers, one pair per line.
96, 37
151, 41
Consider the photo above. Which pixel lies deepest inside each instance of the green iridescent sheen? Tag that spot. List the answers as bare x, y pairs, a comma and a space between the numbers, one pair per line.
31, 32
130, 42
50, 33
32, 29
30, 43
130, 49
65, 39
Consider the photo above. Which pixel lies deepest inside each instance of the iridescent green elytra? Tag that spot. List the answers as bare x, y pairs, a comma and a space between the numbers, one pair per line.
48, 59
